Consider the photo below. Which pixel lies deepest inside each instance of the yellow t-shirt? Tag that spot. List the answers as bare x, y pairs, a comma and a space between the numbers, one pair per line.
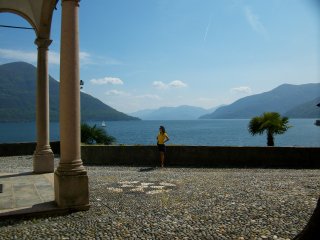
162, 137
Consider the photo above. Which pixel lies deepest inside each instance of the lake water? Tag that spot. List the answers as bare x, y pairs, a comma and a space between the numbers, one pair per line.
220, 132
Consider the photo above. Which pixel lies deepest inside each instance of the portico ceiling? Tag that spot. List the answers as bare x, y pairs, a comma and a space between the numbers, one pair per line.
37, 12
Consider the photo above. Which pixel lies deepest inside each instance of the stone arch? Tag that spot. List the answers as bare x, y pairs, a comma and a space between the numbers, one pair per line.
25, 17
37, 12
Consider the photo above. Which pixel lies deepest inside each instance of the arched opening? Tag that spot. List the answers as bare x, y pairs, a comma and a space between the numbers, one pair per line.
22, 15
43, 156
20, 78
70, 171
24, 51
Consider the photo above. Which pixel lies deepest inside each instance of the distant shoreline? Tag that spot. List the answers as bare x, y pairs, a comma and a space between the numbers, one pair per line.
133, 120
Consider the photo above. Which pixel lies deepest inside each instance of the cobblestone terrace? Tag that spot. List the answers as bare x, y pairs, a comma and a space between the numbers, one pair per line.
178, 203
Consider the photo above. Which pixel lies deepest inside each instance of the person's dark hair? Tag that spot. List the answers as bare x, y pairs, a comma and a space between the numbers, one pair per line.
163, 129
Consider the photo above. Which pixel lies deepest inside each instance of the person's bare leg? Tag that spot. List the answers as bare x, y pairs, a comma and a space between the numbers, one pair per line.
162, 158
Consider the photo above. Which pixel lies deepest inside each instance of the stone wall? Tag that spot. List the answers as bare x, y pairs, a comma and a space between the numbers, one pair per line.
16, 149
203, 156
185, 156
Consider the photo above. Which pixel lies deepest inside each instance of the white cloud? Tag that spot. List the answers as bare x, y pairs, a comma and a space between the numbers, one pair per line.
254, 21
241, 90
107, 80
173, 84
159, 85
116, 93
17, 55
177, 84
85, 58
28, 56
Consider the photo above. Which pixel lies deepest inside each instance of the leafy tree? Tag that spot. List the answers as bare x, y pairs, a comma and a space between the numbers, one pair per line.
271, 122
93, 135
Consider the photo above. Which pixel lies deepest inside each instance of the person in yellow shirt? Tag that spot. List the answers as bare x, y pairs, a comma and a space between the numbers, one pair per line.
162, 138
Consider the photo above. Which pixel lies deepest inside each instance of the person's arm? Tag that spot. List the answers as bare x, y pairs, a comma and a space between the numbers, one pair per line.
166, 138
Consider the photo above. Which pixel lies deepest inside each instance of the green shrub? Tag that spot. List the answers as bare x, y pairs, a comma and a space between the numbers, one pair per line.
95, 135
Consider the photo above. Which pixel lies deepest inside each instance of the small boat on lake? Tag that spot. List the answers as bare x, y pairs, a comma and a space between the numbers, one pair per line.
103, 124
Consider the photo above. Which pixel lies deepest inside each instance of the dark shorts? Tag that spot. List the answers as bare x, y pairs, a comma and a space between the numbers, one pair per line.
161, 147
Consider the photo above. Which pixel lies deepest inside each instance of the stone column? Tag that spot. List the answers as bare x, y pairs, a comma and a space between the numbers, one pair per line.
70, 179
43, 159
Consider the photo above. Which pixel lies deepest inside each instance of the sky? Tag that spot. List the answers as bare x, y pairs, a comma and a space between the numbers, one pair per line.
146, 54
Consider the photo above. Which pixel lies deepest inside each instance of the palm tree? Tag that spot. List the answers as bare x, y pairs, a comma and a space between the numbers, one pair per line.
271, 122
92, 135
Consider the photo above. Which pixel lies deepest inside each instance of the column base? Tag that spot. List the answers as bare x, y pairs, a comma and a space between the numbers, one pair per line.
43, 161
71, 191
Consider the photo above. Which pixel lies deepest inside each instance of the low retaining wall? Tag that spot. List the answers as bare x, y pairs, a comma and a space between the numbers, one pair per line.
185, 156
16, 149
203, 156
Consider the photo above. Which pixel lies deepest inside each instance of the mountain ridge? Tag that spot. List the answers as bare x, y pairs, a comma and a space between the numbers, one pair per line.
280, 99
309, 109
18, 97
182, 112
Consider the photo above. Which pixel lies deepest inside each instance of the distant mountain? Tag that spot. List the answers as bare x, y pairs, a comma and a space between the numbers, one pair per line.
143, 113
172, 113
305, 110
280, 99
18, 97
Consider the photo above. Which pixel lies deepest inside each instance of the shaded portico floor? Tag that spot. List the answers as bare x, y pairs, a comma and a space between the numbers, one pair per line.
26, 193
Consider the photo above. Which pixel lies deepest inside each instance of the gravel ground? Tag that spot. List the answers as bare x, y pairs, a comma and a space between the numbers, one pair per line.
178, 203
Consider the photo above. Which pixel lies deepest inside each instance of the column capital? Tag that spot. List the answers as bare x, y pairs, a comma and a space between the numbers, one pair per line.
43, 42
